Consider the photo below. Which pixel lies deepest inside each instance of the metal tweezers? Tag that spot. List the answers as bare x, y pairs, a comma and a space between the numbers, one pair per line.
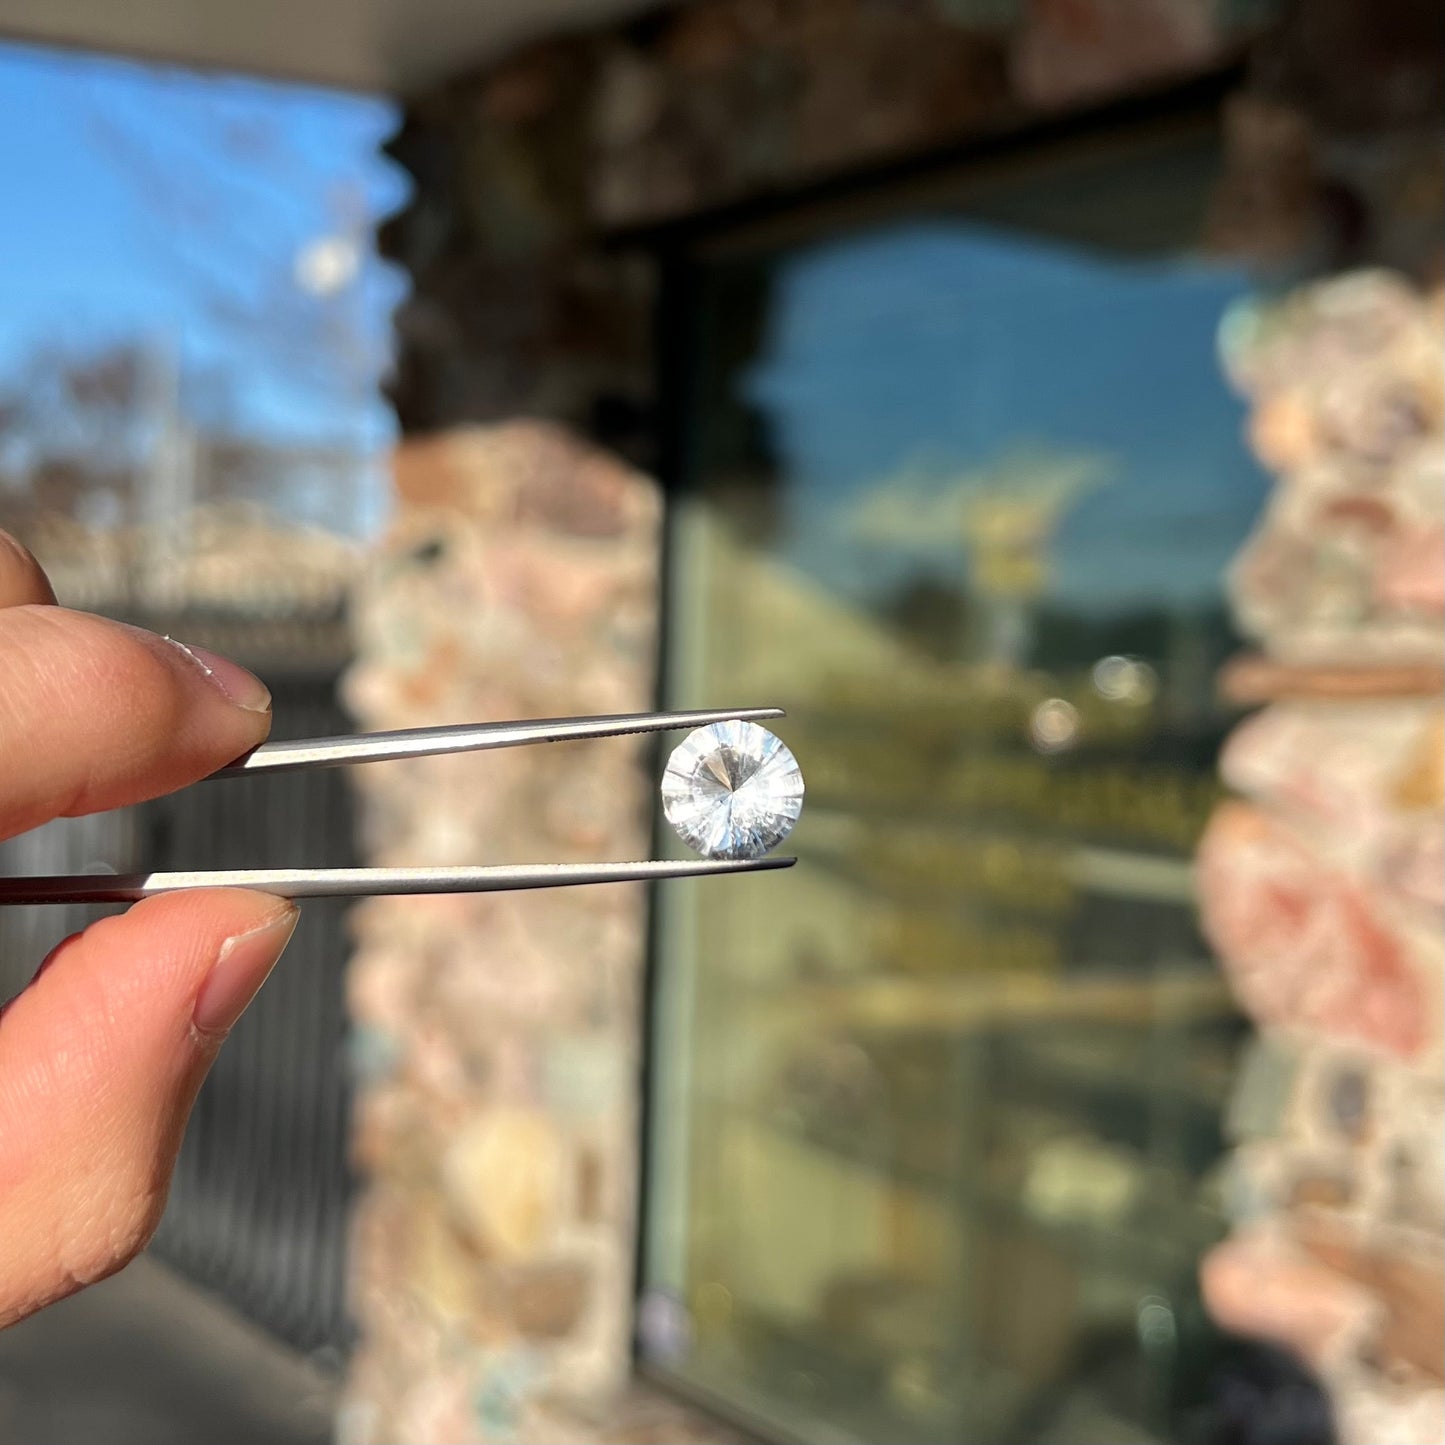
282, 757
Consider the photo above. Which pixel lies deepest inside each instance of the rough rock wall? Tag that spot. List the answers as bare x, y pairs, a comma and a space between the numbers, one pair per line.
497, 1035
1322, 885
502, 1314
522, 172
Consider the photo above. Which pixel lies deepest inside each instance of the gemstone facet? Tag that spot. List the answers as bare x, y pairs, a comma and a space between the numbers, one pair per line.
732, 790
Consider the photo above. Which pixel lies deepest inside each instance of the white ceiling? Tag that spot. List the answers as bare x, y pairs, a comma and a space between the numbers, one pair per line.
392, 45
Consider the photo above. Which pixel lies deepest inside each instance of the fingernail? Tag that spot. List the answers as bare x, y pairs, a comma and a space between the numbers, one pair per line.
244, 964
239, 686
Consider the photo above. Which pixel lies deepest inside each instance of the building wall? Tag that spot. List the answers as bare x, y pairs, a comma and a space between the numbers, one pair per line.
525, 173
499, 1039
1322, 881
522, 173
496, 1035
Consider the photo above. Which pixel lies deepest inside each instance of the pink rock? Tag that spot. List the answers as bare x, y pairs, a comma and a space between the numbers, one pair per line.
1410, 570
1257, 1284
1362, 778
1304, 946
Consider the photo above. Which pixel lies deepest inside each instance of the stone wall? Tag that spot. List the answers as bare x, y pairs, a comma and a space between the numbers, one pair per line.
498, 1035
1322, 883
521, 173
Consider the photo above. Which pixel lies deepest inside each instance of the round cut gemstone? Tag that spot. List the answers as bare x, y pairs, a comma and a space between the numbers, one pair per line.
732, 790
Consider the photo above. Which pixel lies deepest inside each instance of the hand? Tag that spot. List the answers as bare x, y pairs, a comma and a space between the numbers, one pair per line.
102, 1055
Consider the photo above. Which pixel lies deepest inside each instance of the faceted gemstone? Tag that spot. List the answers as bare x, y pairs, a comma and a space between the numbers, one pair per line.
732, 790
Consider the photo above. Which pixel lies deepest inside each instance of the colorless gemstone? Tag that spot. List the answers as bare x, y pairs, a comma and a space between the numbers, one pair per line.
732, 790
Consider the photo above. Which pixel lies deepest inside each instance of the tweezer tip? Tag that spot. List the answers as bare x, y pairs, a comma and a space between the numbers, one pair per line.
711, 867
747, 865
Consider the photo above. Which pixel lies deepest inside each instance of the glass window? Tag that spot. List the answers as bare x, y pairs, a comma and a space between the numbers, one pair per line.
935, 1117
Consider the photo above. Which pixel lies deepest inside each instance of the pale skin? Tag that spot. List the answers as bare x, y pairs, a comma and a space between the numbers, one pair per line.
102, 1054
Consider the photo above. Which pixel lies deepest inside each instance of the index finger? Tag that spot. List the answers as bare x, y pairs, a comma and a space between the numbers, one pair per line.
95, 715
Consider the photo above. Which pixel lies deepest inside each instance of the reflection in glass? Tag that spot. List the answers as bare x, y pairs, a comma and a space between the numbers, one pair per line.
937, 1116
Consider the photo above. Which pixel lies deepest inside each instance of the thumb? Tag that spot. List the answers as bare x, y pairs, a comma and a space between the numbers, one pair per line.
100, 1061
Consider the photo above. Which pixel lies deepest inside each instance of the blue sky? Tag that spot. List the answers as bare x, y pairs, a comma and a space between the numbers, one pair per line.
133, 193
945, 347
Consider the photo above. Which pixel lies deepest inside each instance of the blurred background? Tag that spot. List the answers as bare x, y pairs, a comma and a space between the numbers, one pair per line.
1042, 401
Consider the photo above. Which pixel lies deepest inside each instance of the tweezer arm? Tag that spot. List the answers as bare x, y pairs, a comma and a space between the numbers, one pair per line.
284, 757
360, 882
367, 882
